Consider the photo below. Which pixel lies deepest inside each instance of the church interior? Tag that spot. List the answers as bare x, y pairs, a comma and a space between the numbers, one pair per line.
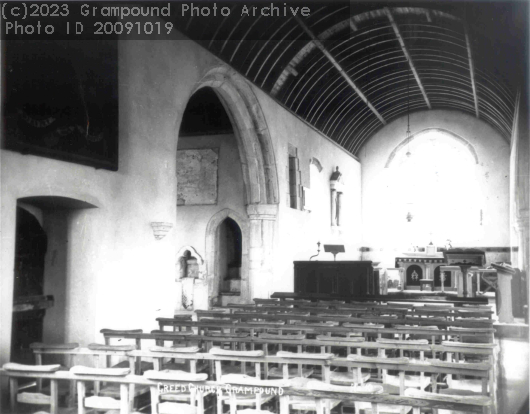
286, 207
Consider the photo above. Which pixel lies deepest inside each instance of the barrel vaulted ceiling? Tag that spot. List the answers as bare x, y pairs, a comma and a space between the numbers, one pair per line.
348, 69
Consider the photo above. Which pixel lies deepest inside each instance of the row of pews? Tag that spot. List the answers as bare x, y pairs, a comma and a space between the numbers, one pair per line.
279, 357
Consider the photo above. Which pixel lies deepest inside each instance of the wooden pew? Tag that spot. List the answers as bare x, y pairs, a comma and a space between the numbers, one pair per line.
316, 330
376, 308
481, 371
34, 398
286, 296
471, 405
231, 324
98, 353
68, 363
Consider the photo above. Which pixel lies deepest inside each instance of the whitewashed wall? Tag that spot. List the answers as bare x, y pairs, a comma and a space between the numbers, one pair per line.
492, 182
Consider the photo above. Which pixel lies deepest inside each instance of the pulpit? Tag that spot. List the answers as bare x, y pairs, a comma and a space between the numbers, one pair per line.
351, 278
511, 293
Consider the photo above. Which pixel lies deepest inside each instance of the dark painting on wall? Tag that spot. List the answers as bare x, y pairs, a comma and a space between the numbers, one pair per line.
61, 100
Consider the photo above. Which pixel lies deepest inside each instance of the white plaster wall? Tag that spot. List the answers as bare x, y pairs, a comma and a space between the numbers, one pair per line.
117, 274
192, 220
299, 231
492, 182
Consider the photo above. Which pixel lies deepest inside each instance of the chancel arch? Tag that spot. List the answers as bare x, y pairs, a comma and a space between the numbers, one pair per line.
407, 141
431, 180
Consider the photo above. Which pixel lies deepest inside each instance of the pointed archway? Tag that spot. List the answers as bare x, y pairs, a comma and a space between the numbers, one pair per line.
213, 262
259, 176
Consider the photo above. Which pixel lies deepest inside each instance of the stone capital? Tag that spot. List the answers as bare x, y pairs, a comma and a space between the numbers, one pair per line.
262, 211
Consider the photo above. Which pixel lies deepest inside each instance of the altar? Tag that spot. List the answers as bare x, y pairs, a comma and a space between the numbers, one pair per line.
415, 267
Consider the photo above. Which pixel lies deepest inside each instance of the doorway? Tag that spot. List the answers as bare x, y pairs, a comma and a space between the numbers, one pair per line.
230, 255
29, 308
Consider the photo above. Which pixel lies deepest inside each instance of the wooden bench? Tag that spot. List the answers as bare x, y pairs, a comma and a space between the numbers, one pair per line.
471, 405
447, 369
322, 329
34, 398
232, 324
286, 296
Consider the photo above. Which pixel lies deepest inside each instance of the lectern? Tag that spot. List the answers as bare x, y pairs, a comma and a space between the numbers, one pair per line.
465, 258
334, 249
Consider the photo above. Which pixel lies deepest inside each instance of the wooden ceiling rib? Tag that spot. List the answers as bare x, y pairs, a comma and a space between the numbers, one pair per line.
349, 69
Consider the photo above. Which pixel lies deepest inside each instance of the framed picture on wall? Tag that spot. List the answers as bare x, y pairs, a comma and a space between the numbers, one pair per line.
61, 100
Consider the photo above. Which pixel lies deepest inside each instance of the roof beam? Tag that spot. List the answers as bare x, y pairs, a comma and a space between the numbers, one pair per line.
337, 65
472, 73
407, 55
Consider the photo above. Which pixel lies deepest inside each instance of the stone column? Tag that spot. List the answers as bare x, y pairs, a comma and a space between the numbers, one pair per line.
402, 277
262, 224
523, 236
333, 207
460, 283
338, 211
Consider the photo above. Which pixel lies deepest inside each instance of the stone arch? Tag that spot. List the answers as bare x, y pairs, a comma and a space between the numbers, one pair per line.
414, 273
212, 273
251, 131
57, 214
182, 252
67, 202
314, 161
419, 134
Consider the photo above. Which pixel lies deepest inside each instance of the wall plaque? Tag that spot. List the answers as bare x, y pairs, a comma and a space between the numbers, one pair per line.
197, 176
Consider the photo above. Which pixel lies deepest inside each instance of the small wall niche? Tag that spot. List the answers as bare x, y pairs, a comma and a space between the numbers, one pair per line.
192, 288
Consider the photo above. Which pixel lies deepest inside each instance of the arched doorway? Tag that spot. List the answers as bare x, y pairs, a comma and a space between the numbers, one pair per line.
230, 256
28, 317
227, 257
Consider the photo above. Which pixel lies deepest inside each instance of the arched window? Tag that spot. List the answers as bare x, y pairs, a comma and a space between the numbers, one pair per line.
433, 192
